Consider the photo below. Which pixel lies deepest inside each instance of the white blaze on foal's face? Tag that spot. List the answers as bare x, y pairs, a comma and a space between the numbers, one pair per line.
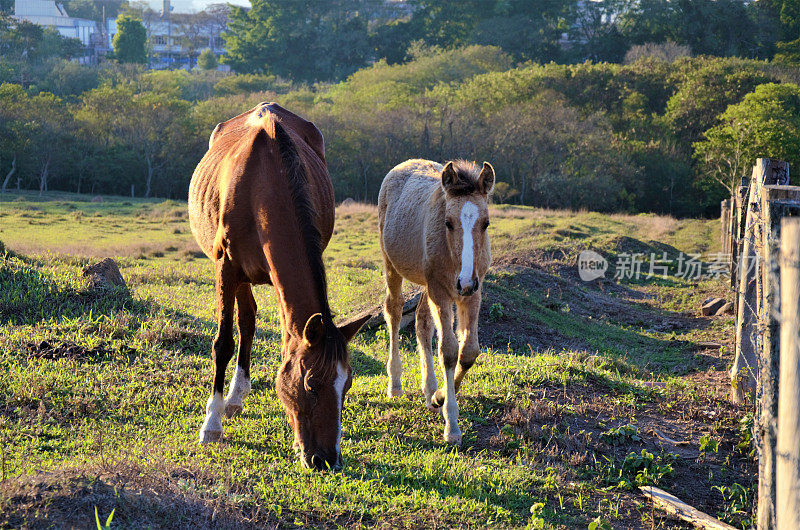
469, 214
466, 219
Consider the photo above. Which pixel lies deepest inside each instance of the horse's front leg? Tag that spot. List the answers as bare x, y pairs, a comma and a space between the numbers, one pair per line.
442, 310
468, 348
222, 349
424, 330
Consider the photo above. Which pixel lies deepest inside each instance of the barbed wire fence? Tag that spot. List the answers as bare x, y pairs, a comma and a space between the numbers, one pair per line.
758, 211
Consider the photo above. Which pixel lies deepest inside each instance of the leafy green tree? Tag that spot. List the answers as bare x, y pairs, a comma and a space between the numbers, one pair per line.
707, 90
304, 40
148, 125
766, 123
68, 78
713, 27
249, 83
34, 132
130, 40
23, 41
528, 31
93, 9
207, 60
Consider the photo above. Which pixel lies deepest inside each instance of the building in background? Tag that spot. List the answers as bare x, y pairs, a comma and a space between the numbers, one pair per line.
52, 14
175, 40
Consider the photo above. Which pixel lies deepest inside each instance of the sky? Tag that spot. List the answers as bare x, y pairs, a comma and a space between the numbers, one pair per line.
191, 6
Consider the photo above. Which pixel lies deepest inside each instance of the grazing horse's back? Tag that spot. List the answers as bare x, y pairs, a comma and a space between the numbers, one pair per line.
237, 169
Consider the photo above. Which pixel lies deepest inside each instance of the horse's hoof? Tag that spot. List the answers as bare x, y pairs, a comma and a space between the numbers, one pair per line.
438, 399
392, 392
453, 438
232, 409
208, 437
431, 407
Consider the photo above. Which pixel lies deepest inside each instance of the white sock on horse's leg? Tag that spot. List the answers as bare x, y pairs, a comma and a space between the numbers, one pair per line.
211, 431
240, 387
452, 433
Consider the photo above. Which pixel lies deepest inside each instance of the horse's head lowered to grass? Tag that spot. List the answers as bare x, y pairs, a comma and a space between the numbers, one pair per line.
311, 383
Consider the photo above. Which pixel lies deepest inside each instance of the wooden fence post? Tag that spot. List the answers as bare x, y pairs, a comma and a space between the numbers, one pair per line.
777, 203
724, 226
745, 363
738, 214
788, 445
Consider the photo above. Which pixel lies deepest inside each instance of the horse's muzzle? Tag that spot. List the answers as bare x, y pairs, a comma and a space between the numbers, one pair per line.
319, 463
467, 290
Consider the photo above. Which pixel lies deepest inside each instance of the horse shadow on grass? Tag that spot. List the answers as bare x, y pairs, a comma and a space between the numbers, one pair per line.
29, 296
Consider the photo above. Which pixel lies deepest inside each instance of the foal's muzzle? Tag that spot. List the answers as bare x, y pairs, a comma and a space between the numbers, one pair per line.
467, 290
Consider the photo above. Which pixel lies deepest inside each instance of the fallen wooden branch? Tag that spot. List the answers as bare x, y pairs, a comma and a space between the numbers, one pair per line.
409, 308
673, 505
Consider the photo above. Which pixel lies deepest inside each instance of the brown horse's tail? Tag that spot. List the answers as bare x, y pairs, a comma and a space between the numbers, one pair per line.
219, 244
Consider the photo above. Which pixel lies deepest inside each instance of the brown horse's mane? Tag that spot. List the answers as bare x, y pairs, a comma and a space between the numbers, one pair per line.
467, 176
334, 350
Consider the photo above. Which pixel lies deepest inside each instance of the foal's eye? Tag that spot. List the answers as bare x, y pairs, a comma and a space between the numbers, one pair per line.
486, 224
448, 224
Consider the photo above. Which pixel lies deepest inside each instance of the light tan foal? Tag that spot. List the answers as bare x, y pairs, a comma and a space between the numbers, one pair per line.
433, 222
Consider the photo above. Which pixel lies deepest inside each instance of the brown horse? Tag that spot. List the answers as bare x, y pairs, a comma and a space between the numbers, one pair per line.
261, 207
433, 222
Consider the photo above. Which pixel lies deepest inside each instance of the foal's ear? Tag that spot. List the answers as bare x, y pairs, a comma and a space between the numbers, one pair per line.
349, 329
314, 329
449, 177
486, 179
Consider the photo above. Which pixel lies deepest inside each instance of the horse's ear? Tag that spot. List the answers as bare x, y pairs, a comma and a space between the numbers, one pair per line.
449, 177
486, 179
314, 329
349, 329
214, 134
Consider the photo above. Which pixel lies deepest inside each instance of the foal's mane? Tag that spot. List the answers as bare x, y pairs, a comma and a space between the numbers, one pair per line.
334, 347
467, 176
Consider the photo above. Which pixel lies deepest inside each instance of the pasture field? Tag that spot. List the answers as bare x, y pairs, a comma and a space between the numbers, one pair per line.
582, 391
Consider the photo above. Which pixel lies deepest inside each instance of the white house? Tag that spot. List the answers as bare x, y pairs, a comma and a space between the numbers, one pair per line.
52, 14
175, 40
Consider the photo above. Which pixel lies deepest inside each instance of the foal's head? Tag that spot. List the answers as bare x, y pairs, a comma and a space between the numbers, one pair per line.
466, 193
311, 383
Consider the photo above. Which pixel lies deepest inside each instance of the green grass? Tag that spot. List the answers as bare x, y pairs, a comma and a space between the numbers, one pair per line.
562, 363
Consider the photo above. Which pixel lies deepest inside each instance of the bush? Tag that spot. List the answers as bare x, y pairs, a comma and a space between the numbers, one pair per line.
207, 60
665, 51
249, 83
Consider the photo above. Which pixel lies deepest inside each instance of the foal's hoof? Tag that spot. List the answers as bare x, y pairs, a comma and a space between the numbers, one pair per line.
438, 399
208, 437
232, 409
453, 438
431, 407
393, 392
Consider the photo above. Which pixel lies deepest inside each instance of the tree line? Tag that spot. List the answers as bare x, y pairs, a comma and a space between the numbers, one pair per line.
309, 41
653, 135
659, 131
